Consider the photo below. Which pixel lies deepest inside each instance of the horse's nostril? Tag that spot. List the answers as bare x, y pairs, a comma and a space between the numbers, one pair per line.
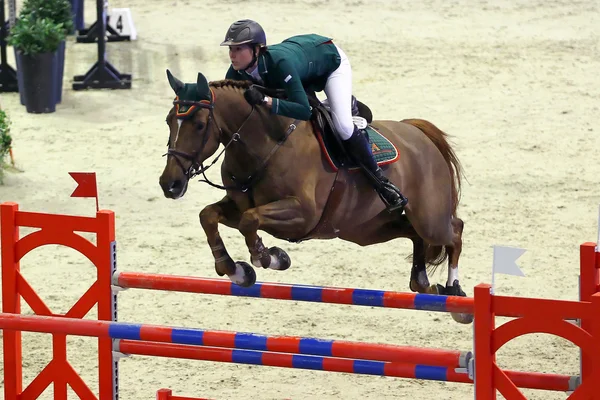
171, 188
176, 186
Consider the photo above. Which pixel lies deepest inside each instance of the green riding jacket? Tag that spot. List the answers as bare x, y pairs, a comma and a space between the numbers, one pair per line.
298, 64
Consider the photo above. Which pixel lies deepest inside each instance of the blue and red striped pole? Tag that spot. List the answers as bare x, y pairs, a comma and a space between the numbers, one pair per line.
318, 294
236, 340
297, 361
529, 380
149, 338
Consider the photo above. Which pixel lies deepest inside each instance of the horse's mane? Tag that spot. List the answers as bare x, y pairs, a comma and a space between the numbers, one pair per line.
231, 83
274, 130
241, 85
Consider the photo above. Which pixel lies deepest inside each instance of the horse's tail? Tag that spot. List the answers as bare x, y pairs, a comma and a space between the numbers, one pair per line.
436, 255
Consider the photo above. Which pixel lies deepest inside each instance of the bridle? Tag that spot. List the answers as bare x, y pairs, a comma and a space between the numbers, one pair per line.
197, 168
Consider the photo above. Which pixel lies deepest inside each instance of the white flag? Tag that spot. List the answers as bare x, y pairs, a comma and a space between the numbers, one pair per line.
505, 260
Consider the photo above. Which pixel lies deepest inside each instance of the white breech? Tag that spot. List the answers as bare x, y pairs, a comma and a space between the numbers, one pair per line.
338, 90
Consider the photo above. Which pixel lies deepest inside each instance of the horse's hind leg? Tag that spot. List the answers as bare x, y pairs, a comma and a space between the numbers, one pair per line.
454, 254
419, 282
452, 285
448, 239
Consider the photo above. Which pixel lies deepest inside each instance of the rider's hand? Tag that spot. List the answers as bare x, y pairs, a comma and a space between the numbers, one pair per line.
253, 96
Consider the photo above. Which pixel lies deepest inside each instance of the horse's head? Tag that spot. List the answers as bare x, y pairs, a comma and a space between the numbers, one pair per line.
193, 134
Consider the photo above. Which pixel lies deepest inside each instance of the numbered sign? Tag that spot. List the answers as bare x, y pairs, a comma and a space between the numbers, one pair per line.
121, 21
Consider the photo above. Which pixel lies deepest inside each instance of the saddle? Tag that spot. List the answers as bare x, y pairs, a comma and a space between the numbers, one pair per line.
332, 147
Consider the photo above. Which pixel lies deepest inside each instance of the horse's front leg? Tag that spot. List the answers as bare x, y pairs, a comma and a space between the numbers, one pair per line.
284, 216
226, 212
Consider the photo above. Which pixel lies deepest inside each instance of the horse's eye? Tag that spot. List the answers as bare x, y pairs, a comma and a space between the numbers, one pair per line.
200, 126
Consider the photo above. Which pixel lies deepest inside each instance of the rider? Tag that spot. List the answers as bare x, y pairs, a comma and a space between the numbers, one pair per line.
310, 62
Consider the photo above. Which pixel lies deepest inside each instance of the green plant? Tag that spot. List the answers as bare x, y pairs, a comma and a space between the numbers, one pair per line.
31, 35
57, 11
5, 141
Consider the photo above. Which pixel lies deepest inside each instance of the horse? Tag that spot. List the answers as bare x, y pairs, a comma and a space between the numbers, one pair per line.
277, 179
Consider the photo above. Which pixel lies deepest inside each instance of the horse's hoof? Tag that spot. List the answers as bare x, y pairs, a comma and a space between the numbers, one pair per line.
245, 276
462, 318
280, 261
418, 280
436, 289
456, 290
413, 286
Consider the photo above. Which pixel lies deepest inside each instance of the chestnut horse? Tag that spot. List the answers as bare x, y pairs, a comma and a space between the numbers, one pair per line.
277, 180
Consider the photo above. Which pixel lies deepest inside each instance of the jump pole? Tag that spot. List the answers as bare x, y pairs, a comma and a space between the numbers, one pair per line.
94, 32
102, 75
285, 352
236, 340
282, 291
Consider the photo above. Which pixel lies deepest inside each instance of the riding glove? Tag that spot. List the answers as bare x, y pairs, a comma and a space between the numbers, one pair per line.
253, 96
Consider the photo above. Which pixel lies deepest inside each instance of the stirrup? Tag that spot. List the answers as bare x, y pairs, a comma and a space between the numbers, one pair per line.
401, 202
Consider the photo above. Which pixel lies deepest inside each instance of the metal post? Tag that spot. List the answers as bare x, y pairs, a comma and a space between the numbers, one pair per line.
102, 75
8, 76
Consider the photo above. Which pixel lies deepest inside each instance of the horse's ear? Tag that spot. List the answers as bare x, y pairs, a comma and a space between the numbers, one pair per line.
175, 83
202, 87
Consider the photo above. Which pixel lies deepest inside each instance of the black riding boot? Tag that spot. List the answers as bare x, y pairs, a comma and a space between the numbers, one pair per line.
360, 150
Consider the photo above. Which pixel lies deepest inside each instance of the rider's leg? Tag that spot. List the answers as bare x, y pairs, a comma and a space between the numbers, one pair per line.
360, 149
339, 96
339, 93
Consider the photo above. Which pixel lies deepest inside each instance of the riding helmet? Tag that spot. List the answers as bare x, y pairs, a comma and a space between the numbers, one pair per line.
245, 31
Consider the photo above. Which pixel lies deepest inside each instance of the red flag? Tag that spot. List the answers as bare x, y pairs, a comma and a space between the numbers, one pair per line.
86, 185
